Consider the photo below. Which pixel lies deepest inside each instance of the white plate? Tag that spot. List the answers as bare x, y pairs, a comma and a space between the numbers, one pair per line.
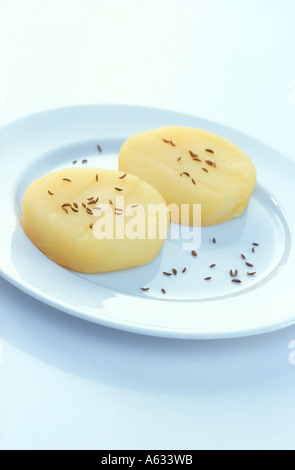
192, 307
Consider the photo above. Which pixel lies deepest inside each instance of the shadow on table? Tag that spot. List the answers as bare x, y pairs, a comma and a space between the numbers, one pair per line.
131, 361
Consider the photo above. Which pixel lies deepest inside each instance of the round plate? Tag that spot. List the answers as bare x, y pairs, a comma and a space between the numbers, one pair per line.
191, 306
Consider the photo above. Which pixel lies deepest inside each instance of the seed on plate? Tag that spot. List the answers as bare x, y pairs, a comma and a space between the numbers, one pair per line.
96, 177
74, 162
64, 209
66, 204
212, 266
163, 291
75, 205
185, 173
255, 244
174, 271
253, 250
122, 177
237, 281
84, 161
208, 278
67, 179
111, 202
145, 289
205, 169
194, 253
243, 256
50, 193
74, 210
251, 274
179, 158
214, 240
167, 274
91, 226
99, 148
194, 181
184, 270
118, 189
209, 151
89, 211
250, 265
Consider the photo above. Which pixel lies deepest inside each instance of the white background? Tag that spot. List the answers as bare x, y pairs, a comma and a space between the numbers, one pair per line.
69, 384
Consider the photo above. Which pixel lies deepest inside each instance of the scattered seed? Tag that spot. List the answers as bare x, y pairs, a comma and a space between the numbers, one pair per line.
93, 201
208, 278
205, 169
214, 240
118, 189
169, 142
243, 256
255, 244
89, 211
51, 194
179, 159
253, 250
134, 205
66, 205
174, 271
251, 274
210, 163
99, 148
185, 173
209, 151
74, 162
250, 265
67, 179
196, 159
75, 205
122, 177
145, 289
167, 274
194, 181
184, 270
163, 291
84, 205
237, 281
84, 161
193, 155
91, 226
194, 253
212, 266
90, 198
64, 209
234, 273
74, 210
96, 177
111, 202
